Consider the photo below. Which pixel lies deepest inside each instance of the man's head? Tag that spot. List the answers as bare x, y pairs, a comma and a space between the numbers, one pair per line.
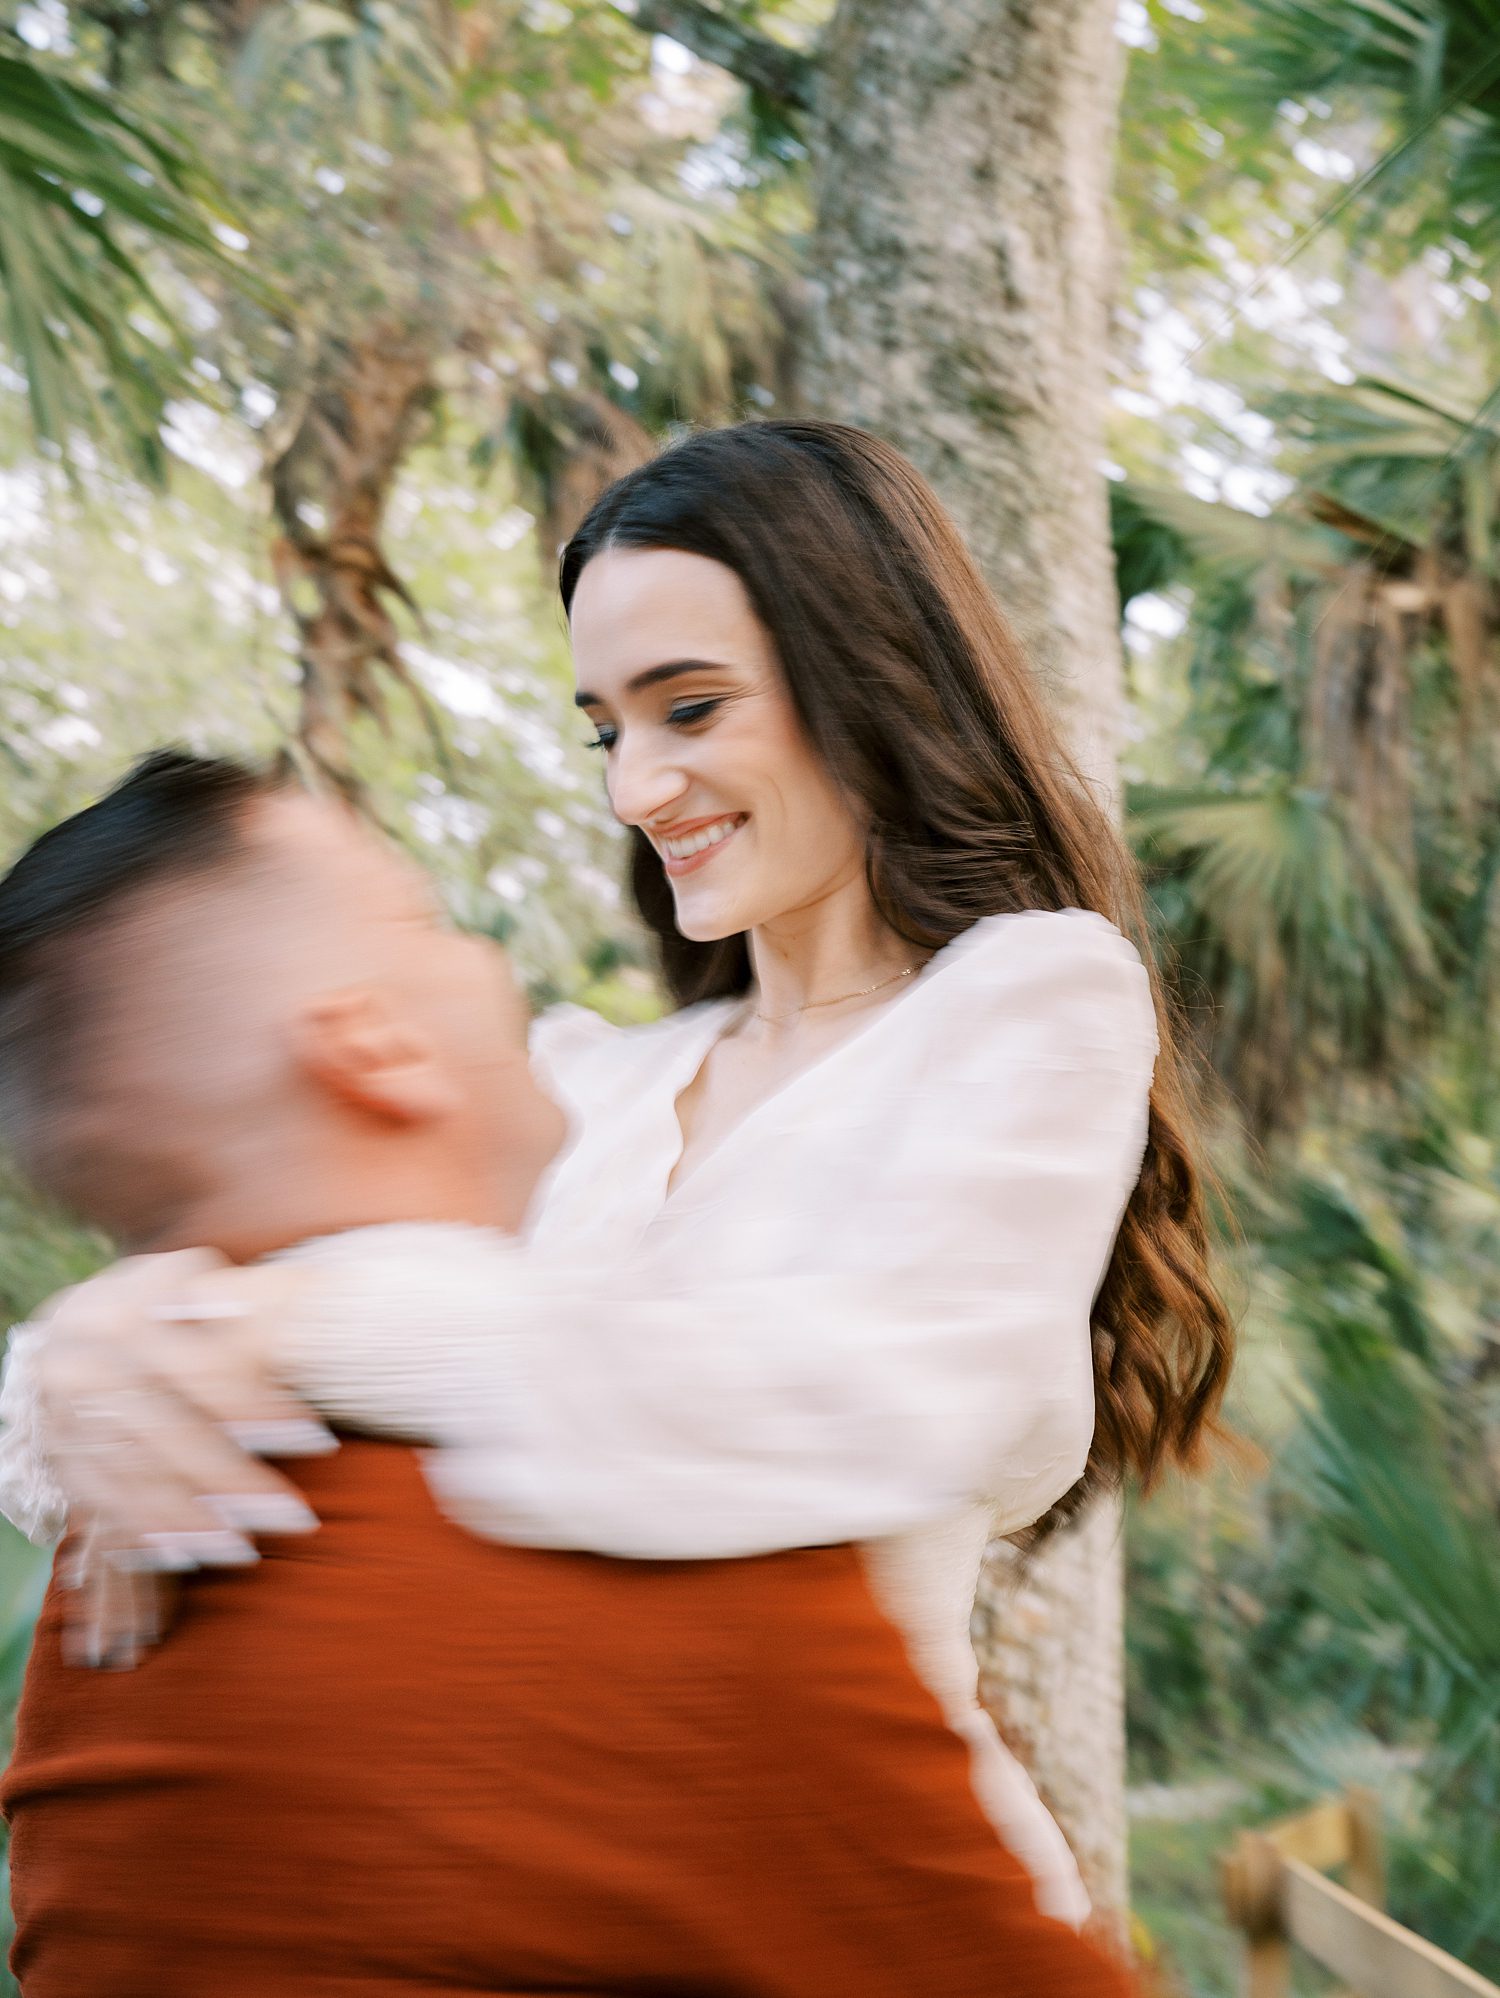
230, 1014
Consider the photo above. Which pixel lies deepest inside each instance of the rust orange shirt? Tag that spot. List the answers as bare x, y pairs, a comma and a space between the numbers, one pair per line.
394, 1759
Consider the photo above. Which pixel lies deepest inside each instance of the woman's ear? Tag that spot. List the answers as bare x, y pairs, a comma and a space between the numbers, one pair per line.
356, 1045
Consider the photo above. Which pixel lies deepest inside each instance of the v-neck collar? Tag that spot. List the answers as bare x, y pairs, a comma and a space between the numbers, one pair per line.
698, 1048
614, 1184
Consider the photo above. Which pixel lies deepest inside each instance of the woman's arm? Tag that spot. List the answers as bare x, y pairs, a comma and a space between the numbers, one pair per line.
942, 1355
132, 1405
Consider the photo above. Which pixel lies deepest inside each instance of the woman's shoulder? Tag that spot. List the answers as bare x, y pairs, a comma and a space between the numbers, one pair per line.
1037, 942
1029, 937
1064, 972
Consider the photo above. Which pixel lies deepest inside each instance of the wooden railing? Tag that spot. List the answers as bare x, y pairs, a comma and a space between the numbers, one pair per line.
1277, 1890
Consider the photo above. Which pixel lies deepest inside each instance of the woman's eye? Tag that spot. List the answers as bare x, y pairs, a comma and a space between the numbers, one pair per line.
684, 715
688, 712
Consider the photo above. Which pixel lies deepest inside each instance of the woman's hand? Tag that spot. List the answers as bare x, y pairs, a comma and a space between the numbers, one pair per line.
157, 1404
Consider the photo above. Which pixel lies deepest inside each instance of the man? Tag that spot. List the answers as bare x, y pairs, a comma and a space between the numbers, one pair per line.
391, 1758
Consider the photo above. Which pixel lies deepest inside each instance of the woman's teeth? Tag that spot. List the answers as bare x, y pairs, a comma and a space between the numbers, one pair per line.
695, 842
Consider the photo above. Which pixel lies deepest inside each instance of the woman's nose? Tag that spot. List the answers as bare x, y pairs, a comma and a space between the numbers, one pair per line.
643, 782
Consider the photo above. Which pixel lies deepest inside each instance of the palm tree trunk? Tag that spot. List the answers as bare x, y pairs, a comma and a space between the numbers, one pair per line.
1050, 1636
330, 488
962, 269
962, 272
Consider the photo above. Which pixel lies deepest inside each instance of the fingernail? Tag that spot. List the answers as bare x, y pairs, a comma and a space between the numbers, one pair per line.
123, 1656
83, 1649
294, 1437
264, 1512
195, 1314
163, 1554
205, 1550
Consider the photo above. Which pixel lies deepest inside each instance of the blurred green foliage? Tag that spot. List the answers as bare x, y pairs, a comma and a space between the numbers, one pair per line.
1306, 524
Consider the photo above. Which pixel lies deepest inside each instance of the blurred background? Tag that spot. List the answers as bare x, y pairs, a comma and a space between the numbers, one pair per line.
322, 321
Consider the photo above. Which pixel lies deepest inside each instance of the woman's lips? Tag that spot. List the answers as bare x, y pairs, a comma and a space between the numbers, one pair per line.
690, 863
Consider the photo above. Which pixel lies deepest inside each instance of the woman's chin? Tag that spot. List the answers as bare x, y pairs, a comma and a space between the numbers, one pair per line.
706, 922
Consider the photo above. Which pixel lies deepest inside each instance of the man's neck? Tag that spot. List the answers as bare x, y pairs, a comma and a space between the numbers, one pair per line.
265, 1222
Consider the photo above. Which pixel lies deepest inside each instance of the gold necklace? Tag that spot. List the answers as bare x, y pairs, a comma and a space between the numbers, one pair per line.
780, 1019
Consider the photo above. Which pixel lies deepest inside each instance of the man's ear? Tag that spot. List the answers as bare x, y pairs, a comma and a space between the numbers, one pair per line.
360, 1049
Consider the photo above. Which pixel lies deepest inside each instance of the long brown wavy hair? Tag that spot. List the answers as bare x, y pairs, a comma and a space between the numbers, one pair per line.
912, 688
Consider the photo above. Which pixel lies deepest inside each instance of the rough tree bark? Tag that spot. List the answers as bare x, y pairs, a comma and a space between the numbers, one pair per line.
1050, 1635
962, 266
961, 270
963, 152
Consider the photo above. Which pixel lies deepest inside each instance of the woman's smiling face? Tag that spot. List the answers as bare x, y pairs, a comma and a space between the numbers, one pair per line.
703, 747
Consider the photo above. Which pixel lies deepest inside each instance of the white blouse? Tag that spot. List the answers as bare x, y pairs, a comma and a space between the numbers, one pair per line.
863, 1317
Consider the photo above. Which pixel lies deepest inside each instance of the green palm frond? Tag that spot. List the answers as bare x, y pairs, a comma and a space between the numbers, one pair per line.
1150, 554
1474, 177
1420, 468
1374, 417
1439, 1558
1413, 465
1384, 1259
85, 188
1435, 64
1427, 53
1200, 534
1307, 931
1324, 1225
1424, 1545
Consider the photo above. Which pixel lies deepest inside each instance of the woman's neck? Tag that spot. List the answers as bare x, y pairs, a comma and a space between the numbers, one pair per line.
832, 951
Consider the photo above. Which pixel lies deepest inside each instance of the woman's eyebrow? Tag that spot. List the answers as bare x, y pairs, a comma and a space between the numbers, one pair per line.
652, 677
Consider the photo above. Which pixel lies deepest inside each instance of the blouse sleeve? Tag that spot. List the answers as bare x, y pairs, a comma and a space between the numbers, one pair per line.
29, 1494
937, 1355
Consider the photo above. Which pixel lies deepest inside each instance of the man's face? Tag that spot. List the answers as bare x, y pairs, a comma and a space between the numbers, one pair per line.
295, 1041
452, 994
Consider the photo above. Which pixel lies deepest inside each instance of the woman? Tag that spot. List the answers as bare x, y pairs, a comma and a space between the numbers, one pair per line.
888, 1233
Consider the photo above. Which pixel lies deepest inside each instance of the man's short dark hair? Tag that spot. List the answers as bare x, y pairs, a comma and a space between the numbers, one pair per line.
174, 816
